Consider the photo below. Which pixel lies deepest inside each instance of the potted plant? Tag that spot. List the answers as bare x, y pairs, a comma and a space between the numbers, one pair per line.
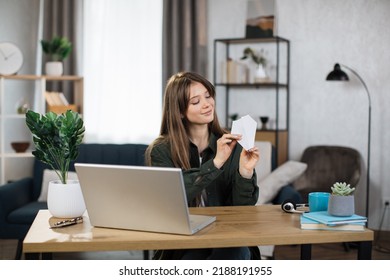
56, 139
261, 63
58, 48
341, 200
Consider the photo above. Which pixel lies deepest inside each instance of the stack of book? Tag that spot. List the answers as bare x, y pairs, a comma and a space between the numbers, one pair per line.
323, 221
234, 72
56, 98
57, 102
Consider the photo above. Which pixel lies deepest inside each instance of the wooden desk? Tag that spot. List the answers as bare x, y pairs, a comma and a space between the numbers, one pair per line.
235, 226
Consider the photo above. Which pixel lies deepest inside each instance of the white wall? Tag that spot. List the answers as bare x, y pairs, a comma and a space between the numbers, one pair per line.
322, 32
19, 25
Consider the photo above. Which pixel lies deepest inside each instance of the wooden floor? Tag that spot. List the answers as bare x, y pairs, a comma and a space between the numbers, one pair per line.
336, 251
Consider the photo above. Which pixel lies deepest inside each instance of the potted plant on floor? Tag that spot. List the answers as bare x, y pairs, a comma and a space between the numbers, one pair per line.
56, 139
341, 200
58, 48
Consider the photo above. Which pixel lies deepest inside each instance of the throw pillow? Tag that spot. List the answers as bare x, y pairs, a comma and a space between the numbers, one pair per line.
281, 176
51, 175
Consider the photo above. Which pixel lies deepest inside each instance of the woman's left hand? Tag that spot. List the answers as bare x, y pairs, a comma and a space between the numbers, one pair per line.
248, 161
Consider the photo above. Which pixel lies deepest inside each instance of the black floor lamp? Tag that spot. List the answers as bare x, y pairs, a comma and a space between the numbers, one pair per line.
339, 75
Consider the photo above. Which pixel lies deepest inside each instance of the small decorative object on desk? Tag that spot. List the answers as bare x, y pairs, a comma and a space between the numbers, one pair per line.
341, 200
264, 120
56, 139
68, 222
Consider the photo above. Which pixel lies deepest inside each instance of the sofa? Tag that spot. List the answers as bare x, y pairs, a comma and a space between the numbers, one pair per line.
19, 200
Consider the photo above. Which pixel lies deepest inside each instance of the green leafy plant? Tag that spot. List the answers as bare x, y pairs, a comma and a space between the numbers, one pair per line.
56, 139
258, 58
58, 48
342, 189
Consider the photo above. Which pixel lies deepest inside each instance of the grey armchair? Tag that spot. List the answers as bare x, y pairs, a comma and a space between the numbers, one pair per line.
327, 165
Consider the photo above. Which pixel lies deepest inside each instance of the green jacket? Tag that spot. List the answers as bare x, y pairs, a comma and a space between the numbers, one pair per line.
224, 187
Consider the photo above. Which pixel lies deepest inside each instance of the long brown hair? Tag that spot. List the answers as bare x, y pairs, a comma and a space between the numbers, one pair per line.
174, 128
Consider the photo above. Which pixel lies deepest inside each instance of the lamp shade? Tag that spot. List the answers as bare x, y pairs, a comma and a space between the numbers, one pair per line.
337, 74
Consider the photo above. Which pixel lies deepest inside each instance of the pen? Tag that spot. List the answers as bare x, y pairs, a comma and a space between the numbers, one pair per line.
67, 222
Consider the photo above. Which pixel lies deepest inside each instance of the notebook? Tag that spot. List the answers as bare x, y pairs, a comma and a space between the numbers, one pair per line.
325, 218
138, 198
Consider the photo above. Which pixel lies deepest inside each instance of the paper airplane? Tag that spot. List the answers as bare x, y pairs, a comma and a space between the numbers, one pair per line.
246, 126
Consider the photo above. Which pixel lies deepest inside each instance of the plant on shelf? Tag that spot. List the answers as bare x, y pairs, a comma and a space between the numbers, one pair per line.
258, 58
58, 48
341, 200
56, 139
342, 189
260, 75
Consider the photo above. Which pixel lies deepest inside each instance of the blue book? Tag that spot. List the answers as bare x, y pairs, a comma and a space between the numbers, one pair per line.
324, 218
311, 224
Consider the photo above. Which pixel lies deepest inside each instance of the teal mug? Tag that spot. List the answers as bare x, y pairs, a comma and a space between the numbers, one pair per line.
318, 201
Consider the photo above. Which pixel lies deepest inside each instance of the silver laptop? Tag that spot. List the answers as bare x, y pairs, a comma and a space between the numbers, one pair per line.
138, 198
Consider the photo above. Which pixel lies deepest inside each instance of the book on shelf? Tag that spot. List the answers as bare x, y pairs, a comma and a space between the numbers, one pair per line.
234, 72
56, 99
57, 103
63, 99
324, 218
307, 223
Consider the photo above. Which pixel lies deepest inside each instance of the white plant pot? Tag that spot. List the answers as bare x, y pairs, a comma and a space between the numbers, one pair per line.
65, 200
54, 68
260, 74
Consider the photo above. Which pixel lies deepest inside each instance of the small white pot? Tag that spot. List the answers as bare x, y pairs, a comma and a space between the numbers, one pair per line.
54, 68
260, 74
65, 200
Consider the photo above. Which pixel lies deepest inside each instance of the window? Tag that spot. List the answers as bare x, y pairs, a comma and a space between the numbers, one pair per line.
122, 65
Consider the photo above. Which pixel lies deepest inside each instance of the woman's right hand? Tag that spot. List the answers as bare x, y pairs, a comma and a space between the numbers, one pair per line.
225, 146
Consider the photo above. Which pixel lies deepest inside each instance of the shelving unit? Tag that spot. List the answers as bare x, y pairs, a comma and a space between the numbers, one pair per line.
29, 89
269, 98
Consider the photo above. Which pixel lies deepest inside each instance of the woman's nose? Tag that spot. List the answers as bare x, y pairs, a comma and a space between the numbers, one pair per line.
206, 103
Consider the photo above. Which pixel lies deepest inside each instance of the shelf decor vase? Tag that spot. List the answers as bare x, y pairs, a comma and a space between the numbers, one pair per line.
54, 68
264, 120
260, 74
341, 206
65, 200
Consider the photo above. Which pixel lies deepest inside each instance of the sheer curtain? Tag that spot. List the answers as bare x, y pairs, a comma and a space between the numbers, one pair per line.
122, 70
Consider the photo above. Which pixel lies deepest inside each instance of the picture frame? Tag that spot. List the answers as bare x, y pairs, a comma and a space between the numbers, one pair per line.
260, 21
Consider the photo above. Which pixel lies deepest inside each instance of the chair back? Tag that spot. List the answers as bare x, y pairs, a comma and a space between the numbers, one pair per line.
327, 165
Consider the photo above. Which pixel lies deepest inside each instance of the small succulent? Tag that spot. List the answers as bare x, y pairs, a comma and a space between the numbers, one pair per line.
342, 189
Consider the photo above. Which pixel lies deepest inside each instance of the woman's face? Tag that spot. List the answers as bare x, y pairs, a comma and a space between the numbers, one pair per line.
201, 105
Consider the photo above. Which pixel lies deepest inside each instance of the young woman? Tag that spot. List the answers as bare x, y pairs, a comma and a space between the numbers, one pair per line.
216, 171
